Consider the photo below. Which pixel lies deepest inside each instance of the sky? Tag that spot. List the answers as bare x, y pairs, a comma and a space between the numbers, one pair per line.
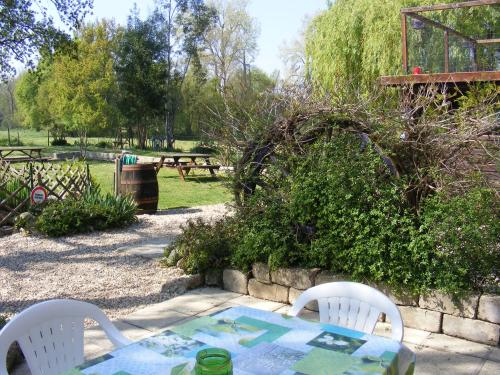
279, 21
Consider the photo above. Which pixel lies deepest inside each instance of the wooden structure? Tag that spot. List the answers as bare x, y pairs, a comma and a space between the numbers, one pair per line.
456, 78
27, 154
16, 184
184, 167
140, 181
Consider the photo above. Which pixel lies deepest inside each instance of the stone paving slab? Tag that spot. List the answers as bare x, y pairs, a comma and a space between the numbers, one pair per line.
456, 345
490, 368
151, 249
437, 362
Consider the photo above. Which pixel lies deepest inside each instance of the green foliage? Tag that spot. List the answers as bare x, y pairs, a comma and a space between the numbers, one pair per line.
14, 185
338, 210
104, 144
59, 142
27, 27
141, 73
203, 246
203, 149
460, 237
92, 211
353, 43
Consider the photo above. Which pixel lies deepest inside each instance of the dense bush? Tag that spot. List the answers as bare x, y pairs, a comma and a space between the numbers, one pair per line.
59, 142
337, 210
92, 211
336, 207
3, 321
460, 236
203, 246
203, 149
104, 144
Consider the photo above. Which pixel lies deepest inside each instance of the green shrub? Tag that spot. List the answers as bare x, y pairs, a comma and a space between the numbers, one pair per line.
338, 210
460, 236
59, 142
203, 149
203, 246
13, 185
92, 211
104, 144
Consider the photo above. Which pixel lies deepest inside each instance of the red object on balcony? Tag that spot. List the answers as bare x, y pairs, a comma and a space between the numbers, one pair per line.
417, 70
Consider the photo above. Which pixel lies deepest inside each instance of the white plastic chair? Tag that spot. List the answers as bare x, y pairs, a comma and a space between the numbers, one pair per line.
351, 305
50, 335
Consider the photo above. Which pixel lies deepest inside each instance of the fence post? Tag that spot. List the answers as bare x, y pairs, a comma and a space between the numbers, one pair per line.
31, 176
89, 182
117, 176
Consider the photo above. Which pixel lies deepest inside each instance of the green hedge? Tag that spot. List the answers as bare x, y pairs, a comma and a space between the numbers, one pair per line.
339, 209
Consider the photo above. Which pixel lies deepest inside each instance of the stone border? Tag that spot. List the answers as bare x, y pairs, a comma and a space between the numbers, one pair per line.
475, 318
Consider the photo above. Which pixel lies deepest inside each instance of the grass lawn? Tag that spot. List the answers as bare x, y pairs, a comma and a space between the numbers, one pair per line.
30, 137
197, 190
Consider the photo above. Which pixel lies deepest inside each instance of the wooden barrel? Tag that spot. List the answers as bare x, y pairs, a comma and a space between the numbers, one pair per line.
139, 181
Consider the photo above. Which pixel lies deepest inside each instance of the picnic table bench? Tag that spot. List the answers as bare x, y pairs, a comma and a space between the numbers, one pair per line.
183, 166
27, 154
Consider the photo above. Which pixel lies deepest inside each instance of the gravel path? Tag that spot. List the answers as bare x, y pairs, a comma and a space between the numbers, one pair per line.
89, 267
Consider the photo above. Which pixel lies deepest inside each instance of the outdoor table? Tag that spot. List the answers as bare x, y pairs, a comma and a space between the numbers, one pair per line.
183, 167
29, 153
260, 343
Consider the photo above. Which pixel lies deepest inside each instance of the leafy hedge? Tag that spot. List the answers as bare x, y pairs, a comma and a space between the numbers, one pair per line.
338, 209
92, 211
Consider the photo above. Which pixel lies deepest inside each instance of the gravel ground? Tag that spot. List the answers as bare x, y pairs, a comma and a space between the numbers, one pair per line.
89, 267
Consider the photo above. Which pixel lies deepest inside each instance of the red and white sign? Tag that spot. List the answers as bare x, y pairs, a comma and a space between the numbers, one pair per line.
38, 195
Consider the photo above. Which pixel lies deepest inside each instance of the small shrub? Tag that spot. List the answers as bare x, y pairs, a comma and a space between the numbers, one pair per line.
203, 246
203, 149
91, 212
104, 144
3, 321
59, 142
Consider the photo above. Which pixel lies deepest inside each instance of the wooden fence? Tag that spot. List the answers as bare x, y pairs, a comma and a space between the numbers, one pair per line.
59, 179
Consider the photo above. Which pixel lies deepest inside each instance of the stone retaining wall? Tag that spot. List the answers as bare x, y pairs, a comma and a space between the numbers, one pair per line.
475, 318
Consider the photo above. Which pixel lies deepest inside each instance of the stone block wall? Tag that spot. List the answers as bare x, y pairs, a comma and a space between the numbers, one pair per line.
475, 318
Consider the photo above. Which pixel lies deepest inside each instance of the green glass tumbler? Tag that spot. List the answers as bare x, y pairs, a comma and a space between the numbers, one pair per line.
213, 361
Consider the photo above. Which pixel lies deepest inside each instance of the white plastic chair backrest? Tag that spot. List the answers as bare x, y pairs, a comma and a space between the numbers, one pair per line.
50, 335
351, 305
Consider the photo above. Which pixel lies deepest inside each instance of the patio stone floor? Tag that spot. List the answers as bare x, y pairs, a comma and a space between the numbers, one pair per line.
436, 353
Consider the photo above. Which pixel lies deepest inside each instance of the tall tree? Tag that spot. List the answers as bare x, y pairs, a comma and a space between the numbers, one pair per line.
8, 107
141, 75
231, 42
25, 27
83, 87
184, 24
355, 42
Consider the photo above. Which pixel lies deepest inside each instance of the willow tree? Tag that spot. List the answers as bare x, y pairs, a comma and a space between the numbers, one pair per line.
354, 42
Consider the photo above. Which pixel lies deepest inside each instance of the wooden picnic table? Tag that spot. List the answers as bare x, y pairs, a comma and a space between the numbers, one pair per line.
28, 153
184, 167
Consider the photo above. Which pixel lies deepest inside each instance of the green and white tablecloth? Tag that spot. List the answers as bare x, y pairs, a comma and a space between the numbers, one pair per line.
261, 343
